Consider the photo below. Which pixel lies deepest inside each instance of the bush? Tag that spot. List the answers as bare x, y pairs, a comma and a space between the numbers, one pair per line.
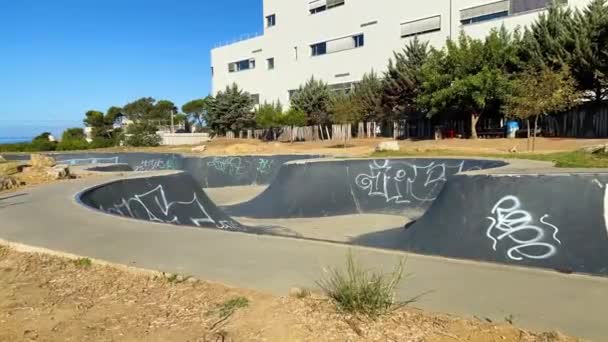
72, 145
142, 135
100, 142
361, 291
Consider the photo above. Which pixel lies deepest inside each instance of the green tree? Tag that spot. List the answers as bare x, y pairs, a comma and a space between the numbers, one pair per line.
469, 76
112, 114
541, 92
42, 143
367, 98
141, 110
231, 109
344, 110
403, 80
548, 40
314, 99
73, 139
198, 110
294, 117
142, 134
164, 111
268, 116
589, 57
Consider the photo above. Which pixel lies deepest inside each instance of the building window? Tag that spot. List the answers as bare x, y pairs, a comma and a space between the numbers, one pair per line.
255, 98
359, 40
522, 6
212, 72
271, 20
318, 49
318, 6
245, 64
343, 88
485, 12
340, 44
421, 26
270, 63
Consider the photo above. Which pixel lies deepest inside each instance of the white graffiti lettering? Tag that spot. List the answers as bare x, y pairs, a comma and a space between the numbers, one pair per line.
394, 181
517, 225
233, 166
264, 166
157, 208
88, 161
155, 164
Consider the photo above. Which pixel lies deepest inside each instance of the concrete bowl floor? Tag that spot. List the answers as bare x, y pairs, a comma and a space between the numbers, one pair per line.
345, 228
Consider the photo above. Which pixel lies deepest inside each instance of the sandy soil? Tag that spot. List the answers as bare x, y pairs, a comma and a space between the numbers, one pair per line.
363, 147
51, 298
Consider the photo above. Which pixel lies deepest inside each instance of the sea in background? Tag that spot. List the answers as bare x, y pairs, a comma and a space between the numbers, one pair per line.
13, 140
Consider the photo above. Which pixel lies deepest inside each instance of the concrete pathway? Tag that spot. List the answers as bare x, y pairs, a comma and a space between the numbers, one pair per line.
49, 217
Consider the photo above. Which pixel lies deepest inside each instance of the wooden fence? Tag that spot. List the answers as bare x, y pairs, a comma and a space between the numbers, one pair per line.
589, 120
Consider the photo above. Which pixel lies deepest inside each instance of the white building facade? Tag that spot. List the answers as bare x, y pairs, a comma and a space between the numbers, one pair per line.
338, 41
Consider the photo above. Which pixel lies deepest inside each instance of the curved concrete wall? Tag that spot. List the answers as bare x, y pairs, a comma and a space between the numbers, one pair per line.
208, 171
550, 221
175, 199
339, 187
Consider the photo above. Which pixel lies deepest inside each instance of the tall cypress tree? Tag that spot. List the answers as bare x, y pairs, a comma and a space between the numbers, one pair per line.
403, 80
589, 58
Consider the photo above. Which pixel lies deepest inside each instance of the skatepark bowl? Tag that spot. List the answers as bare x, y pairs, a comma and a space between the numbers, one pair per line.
474, 209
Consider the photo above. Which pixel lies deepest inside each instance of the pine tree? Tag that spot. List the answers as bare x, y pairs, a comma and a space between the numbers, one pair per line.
231, 109
589, 58
403, 79
367, 98
549, 39
314, 99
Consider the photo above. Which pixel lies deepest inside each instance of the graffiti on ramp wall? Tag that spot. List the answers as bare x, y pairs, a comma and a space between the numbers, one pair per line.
514, 228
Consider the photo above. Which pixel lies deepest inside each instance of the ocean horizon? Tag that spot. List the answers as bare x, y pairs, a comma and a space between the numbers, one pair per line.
14, 140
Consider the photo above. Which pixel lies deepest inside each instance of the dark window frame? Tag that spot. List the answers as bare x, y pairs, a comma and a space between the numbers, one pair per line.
271, 20
318, 49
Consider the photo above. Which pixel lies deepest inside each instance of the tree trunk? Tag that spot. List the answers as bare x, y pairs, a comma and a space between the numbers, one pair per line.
172, 126
274, 134
528, 140
327, 131
535, 129
474, 120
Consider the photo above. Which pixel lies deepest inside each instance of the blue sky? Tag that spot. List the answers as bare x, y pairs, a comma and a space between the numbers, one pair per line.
60, 58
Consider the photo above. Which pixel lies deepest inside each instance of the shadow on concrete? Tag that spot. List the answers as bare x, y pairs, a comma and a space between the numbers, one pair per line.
388, 239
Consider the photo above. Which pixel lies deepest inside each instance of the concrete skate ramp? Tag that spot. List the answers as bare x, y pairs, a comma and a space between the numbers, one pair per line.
339, 187
549, 221
175, 199
215, 172
209, 171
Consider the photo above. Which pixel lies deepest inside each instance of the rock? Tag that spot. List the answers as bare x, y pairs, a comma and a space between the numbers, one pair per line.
41, 161
8, 183
201, 148
513, 149
2, 160
59, 172
297, 292
388, 146
9, 168
601, 148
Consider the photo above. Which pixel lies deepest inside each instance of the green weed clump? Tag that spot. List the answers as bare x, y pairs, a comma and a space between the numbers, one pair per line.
360, 291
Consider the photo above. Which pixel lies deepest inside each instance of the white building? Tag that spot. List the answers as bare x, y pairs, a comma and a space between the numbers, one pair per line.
338, 41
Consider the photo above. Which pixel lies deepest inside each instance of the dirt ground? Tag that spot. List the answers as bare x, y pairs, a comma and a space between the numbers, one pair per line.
51, 298
363, 147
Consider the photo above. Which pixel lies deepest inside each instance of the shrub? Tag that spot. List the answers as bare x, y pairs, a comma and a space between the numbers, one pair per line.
72, 145
142, 134
100, 142
360, 291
